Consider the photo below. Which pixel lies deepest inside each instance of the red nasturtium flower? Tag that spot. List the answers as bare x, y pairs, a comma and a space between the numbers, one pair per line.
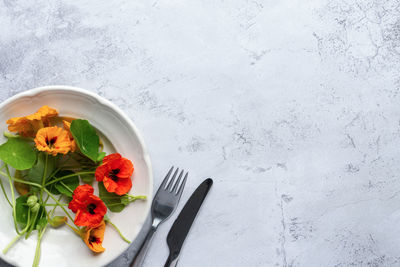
89, 209
115, 172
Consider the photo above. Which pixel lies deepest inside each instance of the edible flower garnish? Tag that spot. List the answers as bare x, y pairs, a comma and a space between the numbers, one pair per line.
93, 237
53, 140
29, 125
115, 173
89, 209
67, 127
44, 165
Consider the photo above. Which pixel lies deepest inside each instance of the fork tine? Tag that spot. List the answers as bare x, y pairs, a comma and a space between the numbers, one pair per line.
177, 181
180, 190
172, 180
164, 182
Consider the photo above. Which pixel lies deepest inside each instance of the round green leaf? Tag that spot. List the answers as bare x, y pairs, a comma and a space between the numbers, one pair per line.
18, 153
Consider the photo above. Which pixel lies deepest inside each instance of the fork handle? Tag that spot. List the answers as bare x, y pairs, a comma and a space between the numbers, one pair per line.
172, 260
139, 258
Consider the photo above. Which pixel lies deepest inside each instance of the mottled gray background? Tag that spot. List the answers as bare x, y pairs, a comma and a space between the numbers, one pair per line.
292, 106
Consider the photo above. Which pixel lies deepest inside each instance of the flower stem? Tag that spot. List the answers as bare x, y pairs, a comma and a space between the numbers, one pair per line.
58, 202
119, 232
68, 176
19, 235
66, 187
55, 205
37, 251
20, 181
133, 198
32, 224
4, 192
44, 176
11, 243
73, 228
13, 200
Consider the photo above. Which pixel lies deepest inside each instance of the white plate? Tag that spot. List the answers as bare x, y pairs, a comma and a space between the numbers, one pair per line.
61, 247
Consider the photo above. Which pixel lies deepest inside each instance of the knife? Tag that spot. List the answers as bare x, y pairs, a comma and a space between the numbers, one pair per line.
184, 221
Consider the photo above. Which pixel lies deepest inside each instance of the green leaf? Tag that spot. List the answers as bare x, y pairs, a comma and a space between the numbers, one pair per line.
86, 138
69, 183
22, 210
87, 178
35, 174
41, 223
113, 201
52, 188
18, 153
101, 156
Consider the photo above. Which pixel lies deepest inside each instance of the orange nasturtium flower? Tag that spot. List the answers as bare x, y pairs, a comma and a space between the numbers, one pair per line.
28, 125
53, 140
93, 237
67, 127
115, 172
89, 209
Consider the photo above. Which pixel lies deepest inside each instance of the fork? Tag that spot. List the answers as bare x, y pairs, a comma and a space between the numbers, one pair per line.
164, 204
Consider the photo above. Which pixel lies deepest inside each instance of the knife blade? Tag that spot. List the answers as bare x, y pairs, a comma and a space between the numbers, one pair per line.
181, 226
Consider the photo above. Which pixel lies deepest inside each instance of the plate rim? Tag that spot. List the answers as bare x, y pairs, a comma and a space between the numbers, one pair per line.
105, 102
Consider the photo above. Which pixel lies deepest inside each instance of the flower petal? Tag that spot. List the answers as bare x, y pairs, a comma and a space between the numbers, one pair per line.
111, 157
124, 186
109, 184
101, 172
93, 237
83, 191
126, 168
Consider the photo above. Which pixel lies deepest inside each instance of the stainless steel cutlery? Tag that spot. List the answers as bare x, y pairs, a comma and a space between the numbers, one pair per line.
164, 204
184, 221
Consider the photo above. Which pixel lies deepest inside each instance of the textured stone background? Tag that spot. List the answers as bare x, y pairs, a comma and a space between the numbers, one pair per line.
291, 106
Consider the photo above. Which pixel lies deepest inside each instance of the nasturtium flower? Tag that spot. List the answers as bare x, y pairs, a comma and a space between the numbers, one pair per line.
29, 125
44, 113
67, 127
47, 112
53, 140
115, 172
93, 237
20, 125
89, 209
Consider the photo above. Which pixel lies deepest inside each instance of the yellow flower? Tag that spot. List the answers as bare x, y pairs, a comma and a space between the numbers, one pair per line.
93, 237
67, 126
20, 125
28, 125
47, 112
53, 140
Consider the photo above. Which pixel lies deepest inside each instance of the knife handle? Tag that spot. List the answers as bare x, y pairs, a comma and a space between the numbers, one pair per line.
172, 261
138, 260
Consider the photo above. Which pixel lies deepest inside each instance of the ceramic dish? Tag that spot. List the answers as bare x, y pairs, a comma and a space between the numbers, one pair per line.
61, 247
